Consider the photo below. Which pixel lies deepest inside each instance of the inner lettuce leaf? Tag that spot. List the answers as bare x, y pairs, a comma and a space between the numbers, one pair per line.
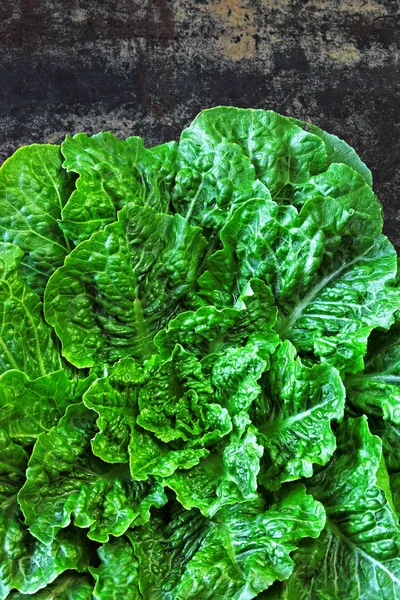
199, 368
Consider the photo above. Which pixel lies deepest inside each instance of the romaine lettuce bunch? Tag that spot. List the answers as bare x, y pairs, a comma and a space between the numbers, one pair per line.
200, 388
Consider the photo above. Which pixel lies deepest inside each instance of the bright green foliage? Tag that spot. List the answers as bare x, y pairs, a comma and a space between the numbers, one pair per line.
120, 287
27, 408
113, 173
70, 586
199, 368
64, 478
33, 190
337, 150
357, 555
27, 342
117, 576
296, 429
26, 563
237, 554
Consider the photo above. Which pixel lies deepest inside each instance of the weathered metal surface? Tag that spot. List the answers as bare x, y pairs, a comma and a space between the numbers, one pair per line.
146, 67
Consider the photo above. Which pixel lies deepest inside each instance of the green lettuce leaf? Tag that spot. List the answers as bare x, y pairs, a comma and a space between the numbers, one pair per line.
64, 479
26, 341
209, 330
331, 286
228, 476
122, 286
69, 586
282, 153
27, 408
337, 150
113, 173
376, 391
295, 422
358, 554
26, 563
33, 191
117, 577
237, 554
141, 411
211, 183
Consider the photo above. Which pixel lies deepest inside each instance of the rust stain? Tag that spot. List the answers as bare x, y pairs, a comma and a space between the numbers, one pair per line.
236, 40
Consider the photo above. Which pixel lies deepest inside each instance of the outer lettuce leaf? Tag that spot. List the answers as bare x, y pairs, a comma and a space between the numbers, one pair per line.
350, 189
70, 586
27, 408
212, 182
117, 577
358, 554
26, 563
295, 425
64, 479
337, 150
33, 191
122, 286
113, 173
331, 287
376, 391
26, 341
237, 554
282, 153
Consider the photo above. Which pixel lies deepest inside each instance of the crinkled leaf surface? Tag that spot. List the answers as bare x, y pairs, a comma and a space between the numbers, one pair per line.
159, 395
295, 427
281, 152
358, 554
69, 586
113, 173
27, 342
65, 479
210, 330
117, 576
331, 287
212, 182
376, 391
33, 191
176, 403
27, 408
116, 290
26, 563
237, 554
337, 150
227, 476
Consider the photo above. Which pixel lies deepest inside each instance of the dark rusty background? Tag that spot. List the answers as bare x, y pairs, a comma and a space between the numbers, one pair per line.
147, 67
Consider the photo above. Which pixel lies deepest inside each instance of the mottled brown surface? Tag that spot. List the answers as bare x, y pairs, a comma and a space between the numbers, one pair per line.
146, 67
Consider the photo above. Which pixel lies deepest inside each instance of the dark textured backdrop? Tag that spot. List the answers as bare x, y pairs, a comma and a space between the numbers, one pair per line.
146, 67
